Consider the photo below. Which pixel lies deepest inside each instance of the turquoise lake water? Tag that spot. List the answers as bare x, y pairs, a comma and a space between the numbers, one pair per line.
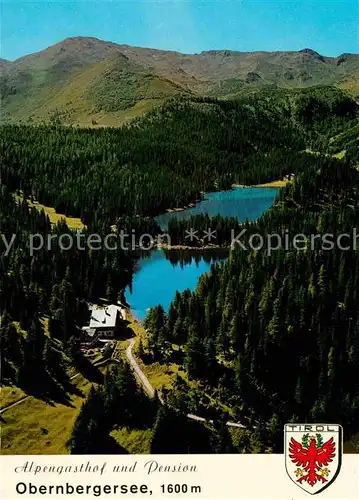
161, 274
243, 203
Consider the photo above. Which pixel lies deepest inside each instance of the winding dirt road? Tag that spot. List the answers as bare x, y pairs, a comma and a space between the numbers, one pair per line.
134, 365
150, 390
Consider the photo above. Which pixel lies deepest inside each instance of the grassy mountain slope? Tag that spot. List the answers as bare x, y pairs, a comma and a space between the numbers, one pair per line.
105, 92
206, 70
86, 80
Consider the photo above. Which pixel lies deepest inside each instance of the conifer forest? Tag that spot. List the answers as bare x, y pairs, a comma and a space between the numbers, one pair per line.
264, 338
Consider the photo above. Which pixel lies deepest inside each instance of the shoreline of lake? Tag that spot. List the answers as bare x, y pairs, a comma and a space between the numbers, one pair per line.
182, 209
188, 247
272, 184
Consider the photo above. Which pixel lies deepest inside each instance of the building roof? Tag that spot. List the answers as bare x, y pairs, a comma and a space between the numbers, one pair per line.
104, 317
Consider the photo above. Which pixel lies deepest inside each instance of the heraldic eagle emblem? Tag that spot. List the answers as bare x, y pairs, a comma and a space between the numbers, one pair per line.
313, 459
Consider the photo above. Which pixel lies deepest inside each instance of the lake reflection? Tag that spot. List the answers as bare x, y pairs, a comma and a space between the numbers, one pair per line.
157, 278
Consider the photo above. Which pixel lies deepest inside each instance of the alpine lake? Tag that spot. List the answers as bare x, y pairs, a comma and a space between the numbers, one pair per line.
161, 273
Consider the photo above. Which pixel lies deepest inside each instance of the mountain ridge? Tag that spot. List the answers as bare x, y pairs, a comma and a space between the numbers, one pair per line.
31, 85
72, 39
